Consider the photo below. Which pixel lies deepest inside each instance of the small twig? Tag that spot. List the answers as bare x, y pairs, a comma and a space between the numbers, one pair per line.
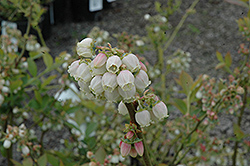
131, 110
234, 157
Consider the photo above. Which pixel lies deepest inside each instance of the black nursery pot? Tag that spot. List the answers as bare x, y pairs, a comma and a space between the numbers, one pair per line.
80, 11
44, 25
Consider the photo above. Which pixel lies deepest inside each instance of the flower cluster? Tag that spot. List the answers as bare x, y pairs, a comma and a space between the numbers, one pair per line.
129, 42
130, 143
244, 27
149, 110
111, 74
180, 62
100, 35
19, 135
212, 98
158, 22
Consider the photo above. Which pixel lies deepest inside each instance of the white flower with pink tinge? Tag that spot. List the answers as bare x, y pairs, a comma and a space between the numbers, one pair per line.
109, 81
125, 80
143, 118
160, 110
96, 85
73, 68
85, 47
113, 64
83, 73
132, 62
142, 81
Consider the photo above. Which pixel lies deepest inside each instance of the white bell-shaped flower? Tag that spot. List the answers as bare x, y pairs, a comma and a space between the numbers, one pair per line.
73, 68
127, 95
83, 73
109, 82
113, 64
99, 60
85, 47
97, 70
160, 110
143, 118
122, 109
142, 81
113, 96
7, 144
132, 62
25, 150
96, 85
84, 86
125, 80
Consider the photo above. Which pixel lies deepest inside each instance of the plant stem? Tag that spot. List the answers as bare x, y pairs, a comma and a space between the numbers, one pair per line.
186, 138
163, 78
234, 157
40, 36
131, 109
180, 24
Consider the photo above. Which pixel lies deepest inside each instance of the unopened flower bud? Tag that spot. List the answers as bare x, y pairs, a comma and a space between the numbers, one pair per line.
160, 110
99, 60
139, 148
84, 48
90, 154
147, 16
143, 67
133, 152
113, 64
125, 80
96, 85
132, 62
130, 134
240, 90
125, 149
143, 118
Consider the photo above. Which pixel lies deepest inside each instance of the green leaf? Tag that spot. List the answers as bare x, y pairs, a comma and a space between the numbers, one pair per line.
90, 141
220, 65
42, 161
100, 155
219, 56
12, 56
15, 84
48, 80
38, 97
228, 59
90, 128
61, 163
16, 163
28, 162
181, 105
48, 60
93, 106
238, 2
32, 67
186, 82
238, 132
52, 160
